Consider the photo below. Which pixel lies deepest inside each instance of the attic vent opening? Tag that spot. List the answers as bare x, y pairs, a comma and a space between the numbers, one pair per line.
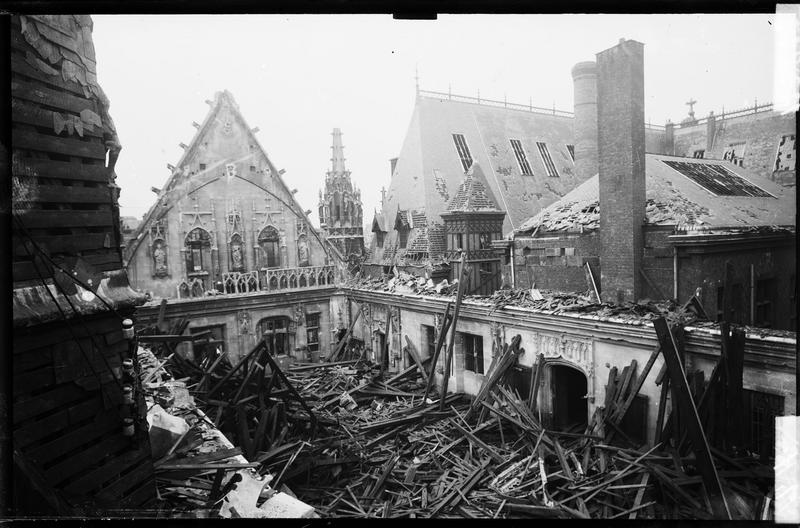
463, 151
590, 209
547, 160
717, 179
785, 157
735, 153
522, 159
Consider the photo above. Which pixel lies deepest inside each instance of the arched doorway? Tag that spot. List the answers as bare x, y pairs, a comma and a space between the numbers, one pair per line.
569, 404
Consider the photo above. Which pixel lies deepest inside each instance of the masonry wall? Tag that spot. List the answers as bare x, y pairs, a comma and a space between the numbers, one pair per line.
575, 343
239, 315
557, 262
760, 132
704, 268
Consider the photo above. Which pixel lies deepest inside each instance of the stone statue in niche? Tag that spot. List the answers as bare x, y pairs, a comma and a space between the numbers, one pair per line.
236, 256
302, 250
159, 259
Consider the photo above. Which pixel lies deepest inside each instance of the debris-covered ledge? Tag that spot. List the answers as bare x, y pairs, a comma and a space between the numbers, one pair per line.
561, 311
199, 472
37, 304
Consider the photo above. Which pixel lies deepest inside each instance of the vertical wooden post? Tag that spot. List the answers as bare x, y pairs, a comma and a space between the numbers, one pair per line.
462, 286
705, 463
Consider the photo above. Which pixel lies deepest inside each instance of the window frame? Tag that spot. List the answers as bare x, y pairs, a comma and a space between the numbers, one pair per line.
521, 156
465, 157
313, 330
472, 350
547, 160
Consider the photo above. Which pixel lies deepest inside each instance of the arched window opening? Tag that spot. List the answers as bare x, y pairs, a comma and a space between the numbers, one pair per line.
269, 243
198, 251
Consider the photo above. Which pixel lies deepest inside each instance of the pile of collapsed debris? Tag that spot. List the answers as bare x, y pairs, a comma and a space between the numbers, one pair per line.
346, 438
546, 301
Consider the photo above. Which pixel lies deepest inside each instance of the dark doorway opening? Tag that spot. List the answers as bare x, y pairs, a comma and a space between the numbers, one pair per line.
380, 343
569, 398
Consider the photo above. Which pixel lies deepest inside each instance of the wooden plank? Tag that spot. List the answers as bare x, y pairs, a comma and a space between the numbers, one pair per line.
86, 458
343, 341
66, 218
42, 403
439, 342
32, 432
65, 243
478, 442
31, 114
128, 484
24, 383
30, 140
95, 478
415, 355
35, 92
639, 495
73, 194
536, 382
448, 358
700, 446
63, 170
103, 423
19, 68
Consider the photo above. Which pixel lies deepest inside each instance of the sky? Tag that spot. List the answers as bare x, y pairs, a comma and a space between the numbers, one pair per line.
298, 77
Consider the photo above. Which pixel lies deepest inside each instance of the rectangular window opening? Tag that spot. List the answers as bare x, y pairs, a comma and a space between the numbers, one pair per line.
547, 160
463, 151
473, 352
522, 159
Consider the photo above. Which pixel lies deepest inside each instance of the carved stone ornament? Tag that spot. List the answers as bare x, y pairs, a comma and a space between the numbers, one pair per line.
576, 352
243, 319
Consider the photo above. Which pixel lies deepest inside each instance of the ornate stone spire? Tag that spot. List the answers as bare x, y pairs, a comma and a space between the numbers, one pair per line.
337, 159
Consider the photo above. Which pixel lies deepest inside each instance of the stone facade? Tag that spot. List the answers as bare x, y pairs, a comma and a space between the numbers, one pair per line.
225, 222
584, 343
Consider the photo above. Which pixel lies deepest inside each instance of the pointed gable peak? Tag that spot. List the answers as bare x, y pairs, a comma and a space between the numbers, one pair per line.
474, 193
225, 98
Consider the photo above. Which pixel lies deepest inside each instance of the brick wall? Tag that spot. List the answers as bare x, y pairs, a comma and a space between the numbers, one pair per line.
556, 262
621, 135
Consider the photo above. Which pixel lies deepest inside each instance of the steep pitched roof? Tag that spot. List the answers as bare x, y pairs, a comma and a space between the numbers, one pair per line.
676, 199
429, 171
474, 194
183, 180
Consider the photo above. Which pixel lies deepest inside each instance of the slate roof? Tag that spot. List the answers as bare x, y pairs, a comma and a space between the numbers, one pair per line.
474, 194
428, 174
675, 199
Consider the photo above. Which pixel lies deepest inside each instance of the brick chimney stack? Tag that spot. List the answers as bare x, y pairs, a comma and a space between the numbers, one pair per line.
621, 147
584, 82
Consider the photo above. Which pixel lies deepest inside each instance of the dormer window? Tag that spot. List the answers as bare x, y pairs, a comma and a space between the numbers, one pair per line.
379, 235
403, 237
547, 160
463, 151
522, 158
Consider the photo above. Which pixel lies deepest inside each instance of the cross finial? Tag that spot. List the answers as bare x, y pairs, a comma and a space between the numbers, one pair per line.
383, 194
416, 77
690, 103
